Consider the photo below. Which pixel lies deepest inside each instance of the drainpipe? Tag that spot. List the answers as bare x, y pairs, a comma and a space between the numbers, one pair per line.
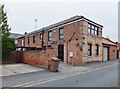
67, 52
42, 39
24, 38
67, 47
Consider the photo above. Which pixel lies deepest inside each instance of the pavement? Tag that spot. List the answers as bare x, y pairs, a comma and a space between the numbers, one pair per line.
21, 68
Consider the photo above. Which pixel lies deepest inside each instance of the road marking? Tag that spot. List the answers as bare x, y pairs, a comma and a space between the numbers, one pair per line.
58, 77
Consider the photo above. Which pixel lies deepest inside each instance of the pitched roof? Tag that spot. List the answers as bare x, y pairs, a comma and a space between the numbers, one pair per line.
15, 35
74, 18
108, 42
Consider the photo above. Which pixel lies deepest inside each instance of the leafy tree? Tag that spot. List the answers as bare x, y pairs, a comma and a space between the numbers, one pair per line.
107, 38
7, 43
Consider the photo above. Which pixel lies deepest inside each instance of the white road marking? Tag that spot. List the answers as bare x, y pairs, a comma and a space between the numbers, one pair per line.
57, 78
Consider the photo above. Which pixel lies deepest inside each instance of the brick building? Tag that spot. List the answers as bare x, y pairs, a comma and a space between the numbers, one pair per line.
16, 36
118, 50
109, 49
75, 40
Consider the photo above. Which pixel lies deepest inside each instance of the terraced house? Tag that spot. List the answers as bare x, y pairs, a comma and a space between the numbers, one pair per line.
75, 40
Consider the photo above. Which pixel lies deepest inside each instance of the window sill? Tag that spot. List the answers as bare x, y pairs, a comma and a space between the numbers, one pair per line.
89, 55
94, 35
61, 38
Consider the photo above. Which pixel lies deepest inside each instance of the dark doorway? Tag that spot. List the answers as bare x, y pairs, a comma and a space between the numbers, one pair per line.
118, 54
61, 52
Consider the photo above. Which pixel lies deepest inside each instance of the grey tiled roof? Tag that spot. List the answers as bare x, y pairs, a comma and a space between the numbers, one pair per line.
15, 35
77, 17
57, 24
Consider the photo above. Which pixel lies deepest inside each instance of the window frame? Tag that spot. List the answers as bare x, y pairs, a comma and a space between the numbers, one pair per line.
22, 42
97, 50
28, 40
89, 49
33, 39
49, 37
61, 33
93, 30
41, 36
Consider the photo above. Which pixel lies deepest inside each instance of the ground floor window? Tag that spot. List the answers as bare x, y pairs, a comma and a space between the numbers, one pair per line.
97, 50
89, 49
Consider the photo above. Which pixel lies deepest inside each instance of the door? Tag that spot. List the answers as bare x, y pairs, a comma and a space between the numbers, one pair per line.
61, 52
105, 53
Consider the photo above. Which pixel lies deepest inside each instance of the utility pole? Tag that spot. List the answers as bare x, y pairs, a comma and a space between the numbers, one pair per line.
35, 23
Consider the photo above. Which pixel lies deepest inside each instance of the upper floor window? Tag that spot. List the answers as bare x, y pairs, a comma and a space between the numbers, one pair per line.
41, 36
34, 39
50, 35
97, 50
89, 49
22, 42
93, 29
61, 33
96, 31
28, 40
89, 28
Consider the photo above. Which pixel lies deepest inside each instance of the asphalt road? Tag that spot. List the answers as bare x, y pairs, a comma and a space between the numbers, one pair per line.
105, 77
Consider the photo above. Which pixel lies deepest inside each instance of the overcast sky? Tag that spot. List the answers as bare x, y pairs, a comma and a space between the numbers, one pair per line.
22, 14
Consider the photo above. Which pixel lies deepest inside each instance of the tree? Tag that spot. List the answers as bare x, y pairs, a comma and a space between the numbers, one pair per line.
107, 38
7, 43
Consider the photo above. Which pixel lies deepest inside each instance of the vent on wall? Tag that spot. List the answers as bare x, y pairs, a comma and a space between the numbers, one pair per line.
83, 37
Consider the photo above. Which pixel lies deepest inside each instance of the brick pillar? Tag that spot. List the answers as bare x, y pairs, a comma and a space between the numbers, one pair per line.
65, 53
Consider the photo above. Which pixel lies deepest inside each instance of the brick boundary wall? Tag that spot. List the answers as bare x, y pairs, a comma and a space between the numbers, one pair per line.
32, 57
112, 53
38, 58
14, 57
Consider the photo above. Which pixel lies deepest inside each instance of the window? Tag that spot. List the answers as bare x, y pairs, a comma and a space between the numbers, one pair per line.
50, 35
89, 49
41, 36
22, 42
28, 40
89, 28
96, 31
97, 50
92, 29
92, 26
34, 39
61, 33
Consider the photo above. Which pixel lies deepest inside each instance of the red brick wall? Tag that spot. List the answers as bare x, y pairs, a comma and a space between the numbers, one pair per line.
77, 53
68, 31
112, 52
118, 46
38, 58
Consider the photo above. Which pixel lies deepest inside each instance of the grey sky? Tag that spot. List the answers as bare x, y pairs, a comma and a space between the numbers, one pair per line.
22, 15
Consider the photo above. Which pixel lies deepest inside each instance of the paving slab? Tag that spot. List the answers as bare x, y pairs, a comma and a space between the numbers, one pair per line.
20, 68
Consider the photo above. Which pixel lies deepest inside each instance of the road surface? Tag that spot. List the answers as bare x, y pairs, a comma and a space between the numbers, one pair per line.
100, 75
104, 77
